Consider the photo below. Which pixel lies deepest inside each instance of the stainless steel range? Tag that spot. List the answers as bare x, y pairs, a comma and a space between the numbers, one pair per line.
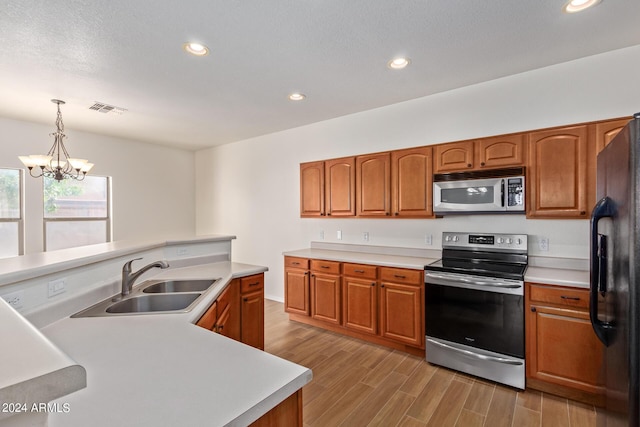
474, 306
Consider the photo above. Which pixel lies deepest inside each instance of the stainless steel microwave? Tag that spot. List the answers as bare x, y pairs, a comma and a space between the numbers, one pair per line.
486, 191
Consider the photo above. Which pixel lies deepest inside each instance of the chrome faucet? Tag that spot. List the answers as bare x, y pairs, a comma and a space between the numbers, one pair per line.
128, 278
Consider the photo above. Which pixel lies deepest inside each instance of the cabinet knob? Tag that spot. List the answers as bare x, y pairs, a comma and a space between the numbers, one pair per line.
583, 213
387, 213
482, 164
245, 299
397, 213
382, 286
533, 309
468, 165
373, 284
328, 214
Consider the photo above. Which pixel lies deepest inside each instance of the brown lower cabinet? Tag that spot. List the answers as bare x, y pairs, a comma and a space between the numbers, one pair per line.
383, 305
287, 413
238, 312
563, 354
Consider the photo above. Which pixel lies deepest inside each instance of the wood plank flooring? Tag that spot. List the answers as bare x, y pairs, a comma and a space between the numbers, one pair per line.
356, 383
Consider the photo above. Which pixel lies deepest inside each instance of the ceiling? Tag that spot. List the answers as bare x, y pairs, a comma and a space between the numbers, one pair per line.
129, 54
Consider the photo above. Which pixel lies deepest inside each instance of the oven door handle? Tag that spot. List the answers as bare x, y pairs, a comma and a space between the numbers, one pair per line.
471, 354
472, 282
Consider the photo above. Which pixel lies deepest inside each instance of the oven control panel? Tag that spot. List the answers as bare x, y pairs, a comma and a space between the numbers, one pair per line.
509, 242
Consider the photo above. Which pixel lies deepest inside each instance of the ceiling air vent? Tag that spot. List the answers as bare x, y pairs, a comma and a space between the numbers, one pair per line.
101, 107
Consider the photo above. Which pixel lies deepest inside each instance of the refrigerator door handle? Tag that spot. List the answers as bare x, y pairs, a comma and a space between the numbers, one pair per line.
605, 208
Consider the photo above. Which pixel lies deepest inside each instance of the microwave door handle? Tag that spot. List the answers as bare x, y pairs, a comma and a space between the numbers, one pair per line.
502, 192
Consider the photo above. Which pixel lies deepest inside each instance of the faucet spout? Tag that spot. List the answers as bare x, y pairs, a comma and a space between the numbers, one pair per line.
128, 278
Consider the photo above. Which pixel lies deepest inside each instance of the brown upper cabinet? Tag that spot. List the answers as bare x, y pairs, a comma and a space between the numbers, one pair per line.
312, 189
328, 188
340, 186
557, 182
486, 153
397, 183
606, 131
373, 185
412, 182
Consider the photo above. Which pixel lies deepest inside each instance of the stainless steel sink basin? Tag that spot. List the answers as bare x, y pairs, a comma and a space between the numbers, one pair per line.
153, 303
173, 286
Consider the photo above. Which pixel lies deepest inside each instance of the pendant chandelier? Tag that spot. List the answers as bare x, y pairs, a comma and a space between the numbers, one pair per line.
56, 163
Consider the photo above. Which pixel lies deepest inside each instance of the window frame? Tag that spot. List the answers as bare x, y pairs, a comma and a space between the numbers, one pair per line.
107, 219
20, 219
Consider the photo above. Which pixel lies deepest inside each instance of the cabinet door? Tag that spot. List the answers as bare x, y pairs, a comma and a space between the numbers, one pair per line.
312, 189
360, 304
562, 348
228, 322
325, 297
401, 313
606, 131
412, 182
296, 291
252, 315
373, 185
501, 151
208, 319
557, 185
454, 156
340, 186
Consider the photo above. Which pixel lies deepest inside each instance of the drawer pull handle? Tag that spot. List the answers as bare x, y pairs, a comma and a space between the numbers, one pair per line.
399, 276
254, 284
570, 298
295, 263
358, 271
325, 266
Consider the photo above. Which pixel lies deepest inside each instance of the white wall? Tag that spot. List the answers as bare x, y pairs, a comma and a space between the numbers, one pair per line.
251, 188
153, 186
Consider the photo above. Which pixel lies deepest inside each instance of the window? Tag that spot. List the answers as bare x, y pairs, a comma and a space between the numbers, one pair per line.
76, 213
11, 213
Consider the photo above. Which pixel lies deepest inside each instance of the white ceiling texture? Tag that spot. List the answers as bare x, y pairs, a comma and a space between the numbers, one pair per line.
128, 53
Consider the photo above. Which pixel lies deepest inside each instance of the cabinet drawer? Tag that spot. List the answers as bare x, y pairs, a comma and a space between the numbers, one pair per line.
331, 267
360, 270
570, 297
252, 283
294, 262
401, 275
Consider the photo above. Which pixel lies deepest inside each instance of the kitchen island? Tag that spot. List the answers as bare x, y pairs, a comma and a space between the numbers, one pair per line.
163, 370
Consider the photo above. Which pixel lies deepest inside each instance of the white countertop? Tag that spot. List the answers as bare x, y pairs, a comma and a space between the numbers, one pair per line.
162, 370
384, 260
25, 267
558, 276
39, 372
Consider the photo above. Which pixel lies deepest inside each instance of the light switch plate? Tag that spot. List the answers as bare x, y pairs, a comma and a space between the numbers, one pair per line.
57, 287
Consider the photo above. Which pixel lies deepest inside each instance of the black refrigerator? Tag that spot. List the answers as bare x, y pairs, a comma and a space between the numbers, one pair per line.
615, 275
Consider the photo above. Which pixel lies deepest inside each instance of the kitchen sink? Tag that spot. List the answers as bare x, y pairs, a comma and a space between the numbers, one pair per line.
152, 297
153, 303
173, 286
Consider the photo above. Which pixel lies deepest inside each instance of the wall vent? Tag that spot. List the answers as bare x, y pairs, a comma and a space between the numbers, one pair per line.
101, 107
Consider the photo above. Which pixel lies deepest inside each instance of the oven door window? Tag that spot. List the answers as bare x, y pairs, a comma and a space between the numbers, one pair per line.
486, 320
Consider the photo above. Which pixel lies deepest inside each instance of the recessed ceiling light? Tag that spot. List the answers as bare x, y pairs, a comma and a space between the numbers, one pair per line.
196, 49
579, 5
398, 63
297, 96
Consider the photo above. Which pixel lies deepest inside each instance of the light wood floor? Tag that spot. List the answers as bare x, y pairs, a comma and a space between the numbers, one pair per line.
360, 384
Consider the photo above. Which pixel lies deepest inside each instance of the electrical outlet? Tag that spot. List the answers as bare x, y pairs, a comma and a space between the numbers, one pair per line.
15, 299
57, 287
339, 235
428, 239
182, 251
543, 244
365, 236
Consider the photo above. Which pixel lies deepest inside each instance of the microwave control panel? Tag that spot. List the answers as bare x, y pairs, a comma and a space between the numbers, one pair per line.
515, 192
